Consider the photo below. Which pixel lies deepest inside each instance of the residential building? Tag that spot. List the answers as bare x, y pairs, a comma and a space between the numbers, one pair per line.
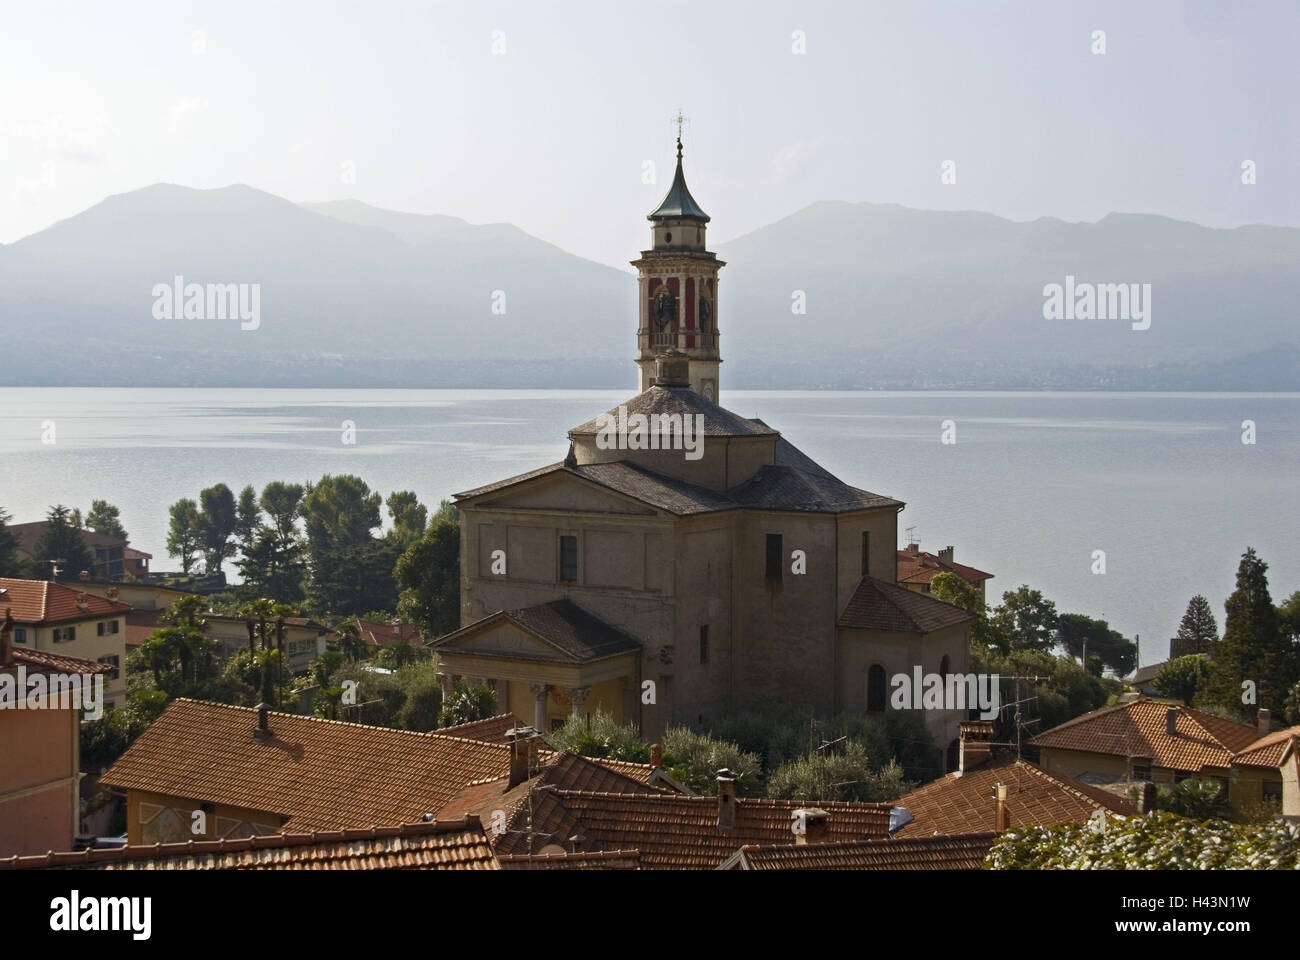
375, 634
114, 556
916, 569
1258, 771
674, 582
961, 852
70, 622
1145, 740
40, 753
304, 638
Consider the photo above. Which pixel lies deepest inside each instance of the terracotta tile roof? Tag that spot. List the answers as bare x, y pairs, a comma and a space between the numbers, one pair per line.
923, 567
379, 634
672, 831
41, 602
577, 635
563, 770
488, 730
599, 860
957, 805
445, 845
43, 661
961, 852
319, 774
1267, 751
879, 605
682, 401
793, 483
1137, 729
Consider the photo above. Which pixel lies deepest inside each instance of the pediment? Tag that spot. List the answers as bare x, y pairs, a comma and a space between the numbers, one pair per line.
502, 638
563, 491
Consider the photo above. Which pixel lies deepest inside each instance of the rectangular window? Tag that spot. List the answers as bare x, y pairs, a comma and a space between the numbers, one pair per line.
775, 553
1141, 770
20, 635
113, 662
866, 553
65, 634
568, 558
704, 644
107, 627
1271, 789
1181, 775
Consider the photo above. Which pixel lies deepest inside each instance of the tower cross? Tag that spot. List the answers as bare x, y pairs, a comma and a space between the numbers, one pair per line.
679, 120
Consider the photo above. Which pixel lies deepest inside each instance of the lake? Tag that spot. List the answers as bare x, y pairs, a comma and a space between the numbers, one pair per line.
1034, 483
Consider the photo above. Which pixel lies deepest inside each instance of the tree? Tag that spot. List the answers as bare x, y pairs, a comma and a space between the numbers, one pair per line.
428, 574
217, 522
951, 588
248, 518
693, 759
1027, 619
61, 546
273, 563
1199, 631
349, 570
1105, 647
10, 565
183, 539
408, 516
1253, 647
350, 642
600, 736
1198, 799
106, 519
467, 704
180, 653
829, 776
1182, 677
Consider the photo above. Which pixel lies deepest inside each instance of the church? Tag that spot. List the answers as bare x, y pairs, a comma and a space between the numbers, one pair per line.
670, 583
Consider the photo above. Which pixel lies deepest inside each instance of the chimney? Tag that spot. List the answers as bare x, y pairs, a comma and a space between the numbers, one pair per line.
726, 799
263, 731
1171, 721
1263, 720
976, 743
1147, 798
816, 826
84, 576
7, 639
522, 742
1002, 815
656, 756
913, 548
945, 555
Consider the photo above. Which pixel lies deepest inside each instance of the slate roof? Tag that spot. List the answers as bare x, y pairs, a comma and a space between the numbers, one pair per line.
446, 845
792, 483
963, 852
1267, 751
43, 602
577, 635
923, 567
879, 605
672, 831
965, 804
678, 202
1137, 729
319, 774
680, 401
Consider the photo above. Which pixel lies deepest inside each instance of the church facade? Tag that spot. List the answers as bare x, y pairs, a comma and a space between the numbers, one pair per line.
683, 562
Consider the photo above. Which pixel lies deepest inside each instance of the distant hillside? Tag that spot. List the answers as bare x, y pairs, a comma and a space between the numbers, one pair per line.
352, 295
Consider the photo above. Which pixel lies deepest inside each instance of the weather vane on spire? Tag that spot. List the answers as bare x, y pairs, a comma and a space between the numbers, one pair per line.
679, 120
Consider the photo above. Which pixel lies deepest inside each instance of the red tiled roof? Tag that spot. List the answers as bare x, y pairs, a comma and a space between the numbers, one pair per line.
961, 852
669, 830
42, 661
41, 602
319, 774
488, 730
924, 567
443, 845
879, 605
955, 804
599, 860
1267, 751
1137, 729
379, 634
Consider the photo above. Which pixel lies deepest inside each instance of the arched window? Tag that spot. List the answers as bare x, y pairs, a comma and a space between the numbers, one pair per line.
876, 689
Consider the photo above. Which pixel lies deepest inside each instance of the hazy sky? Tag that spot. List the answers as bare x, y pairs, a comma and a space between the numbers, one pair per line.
552, 134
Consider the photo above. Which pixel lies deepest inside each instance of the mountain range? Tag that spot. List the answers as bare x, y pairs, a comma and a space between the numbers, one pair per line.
355, 296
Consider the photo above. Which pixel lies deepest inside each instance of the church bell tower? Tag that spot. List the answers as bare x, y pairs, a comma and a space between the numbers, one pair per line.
678, 290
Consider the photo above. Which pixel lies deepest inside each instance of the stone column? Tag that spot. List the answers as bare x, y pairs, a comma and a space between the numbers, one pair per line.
446, 681
539, 691
578, 697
